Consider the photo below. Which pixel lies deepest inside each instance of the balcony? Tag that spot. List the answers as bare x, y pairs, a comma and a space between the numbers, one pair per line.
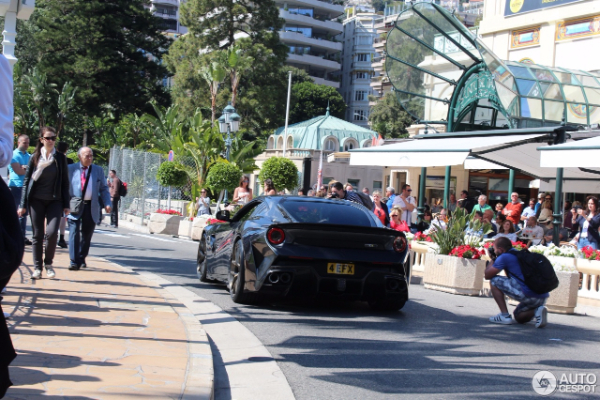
322, 81
165, 14
313, 60
367, 48
361, 65
333, 28
319, 6
170, 2
300, 39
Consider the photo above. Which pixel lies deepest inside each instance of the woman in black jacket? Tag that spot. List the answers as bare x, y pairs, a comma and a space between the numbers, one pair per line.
587, 224
46, 197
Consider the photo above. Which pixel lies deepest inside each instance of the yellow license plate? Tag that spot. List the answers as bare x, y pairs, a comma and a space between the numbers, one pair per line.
342, 269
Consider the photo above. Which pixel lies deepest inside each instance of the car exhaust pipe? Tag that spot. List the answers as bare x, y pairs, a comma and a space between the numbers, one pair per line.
285, 278
274, 278
393, 284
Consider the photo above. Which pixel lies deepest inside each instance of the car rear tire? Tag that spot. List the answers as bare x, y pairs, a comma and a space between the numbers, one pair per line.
395, 304
202, 267
237, 278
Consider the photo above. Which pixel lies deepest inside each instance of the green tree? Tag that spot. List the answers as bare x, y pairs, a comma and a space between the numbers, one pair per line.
388, 118
244, 152
171, 174
107, 49
213, 74
281, 171
204, 146
311, 100
223, 176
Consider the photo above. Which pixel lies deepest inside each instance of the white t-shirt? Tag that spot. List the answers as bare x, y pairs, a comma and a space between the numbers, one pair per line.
584, 229
203, 209
536, 234
406, 215
511, 236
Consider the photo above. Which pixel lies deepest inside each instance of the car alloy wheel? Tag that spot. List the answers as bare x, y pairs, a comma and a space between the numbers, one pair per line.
236, 278
202, 267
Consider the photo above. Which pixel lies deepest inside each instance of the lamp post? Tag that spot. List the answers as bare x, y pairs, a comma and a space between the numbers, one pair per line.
229, 122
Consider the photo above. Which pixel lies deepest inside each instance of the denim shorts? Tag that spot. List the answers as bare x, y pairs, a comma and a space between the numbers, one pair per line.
512, 288
583, 242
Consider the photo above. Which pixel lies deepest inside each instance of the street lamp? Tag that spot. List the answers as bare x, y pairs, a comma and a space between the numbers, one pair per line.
229, 122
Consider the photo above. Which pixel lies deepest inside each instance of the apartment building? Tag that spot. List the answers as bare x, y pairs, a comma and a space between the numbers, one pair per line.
168, 12
357, 69
309, 31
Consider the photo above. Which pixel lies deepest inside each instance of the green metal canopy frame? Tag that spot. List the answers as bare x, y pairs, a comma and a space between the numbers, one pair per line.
443, 73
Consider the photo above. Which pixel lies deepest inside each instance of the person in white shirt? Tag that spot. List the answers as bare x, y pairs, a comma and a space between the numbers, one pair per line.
407, 203
507, 230
203, 203
529, 211
532, 231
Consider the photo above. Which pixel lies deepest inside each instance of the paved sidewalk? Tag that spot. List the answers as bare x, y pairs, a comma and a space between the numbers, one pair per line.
103, 332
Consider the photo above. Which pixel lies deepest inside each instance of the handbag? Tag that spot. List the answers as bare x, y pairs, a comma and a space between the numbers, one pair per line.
76, 203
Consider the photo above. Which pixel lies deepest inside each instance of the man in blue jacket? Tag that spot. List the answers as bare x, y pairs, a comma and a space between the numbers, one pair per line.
531, 304
81, 225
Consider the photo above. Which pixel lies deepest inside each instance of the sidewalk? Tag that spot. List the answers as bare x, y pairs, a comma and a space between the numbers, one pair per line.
103, 332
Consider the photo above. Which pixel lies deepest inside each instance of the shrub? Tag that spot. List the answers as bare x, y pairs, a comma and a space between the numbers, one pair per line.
171, 174
223, 176
281, 171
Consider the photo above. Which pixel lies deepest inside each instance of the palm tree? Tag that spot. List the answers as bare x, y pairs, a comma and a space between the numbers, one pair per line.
213, 74
236, 63
244, 152
66, 101
41, 92
205, 145
166, 125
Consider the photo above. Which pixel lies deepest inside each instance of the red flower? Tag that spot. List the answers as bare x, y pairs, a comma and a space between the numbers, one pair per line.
519, 245
168, 212
420, 236
591, 254
467, 251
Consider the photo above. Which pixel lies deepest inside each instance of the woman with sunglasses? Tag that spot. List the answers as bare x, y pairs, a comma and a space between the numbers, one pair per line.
46, 197
242, 194
380, 209
396, 221
203, 203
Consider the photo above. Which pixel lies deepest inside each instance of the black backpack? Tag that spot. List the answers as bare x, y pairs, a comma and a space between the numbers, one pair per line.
122, 188
537, 270
366, 200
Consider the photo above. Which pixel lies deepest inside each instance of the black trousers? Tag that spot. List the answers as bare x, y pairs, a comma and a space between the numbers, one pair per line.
42, 211
80, 235
114, 212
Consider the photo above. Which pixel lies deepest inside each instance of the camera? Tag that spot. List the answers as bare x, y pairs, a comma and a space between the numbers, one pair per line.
334, 196
492, 253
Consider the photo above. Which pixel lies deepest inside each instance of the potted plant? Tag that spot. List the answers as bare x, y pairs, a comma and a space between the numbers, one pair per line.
457, 267
165, 222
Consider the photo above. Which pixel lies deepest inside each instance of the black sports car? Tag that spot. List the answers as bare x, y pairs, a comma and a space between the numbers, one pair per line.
288, 246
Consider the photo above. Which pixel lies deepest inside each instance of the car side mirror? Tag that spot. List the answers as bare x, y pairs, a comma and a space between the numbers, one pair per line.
223, 215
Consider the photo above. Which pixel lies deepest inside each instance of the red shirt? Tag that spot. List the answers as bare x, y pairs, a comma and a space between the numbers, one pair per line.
380, 214
516, 209
402, 226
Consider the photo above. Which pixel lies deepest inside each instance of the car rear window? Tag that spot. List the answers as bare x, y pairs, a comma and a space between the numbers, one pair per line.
335, 212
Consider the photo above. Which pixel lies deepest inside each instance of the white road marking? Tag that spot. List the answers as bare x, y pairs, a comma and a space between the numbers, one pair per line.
106, 233
154, 238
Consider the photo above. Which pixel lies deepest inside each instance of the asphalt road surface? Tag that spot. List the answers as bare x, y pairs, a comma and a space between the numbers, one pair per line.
440, 346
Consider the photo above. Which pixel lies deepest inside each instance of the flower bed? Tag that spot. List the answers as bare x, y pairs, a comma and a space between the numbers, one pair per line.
168, 212
421, 237
467, 251
590, 254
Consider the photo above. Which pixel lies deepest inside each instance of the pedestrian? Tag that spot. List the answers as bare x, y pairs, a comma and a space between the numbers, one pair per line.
465, 202
88, 184
380, 209
532, 232
538, 205
203, 203
425, 223
513, 209
481, 205
406, 202
17, 169
531, 304
269, 188
310, 193
452, 204
338, 192
396, 222
545, 218
507, 230
499, 207
11, 233
529, 211
242, 194
300, 192
46, 197
63, 147
348, 187
587, 223
114, 188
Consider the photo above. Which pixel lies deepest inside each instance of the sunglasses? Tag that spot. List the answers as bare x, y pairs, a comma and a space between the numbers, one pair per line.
394, 215
53, 138
409, 190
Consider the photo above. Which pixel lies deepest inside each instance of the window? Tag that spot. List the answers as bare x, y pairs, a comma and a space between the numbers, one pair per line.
377, 185
364, 40
362, 57
330, 145
350, 144
361, 75
326, 212
360, 115
360, 95
167, 24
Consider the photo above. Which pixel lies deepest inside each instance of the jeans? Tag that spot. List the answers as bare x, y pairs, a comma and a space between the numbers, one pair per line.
582, 242
114, 212
80, 235
16, 192
49, 212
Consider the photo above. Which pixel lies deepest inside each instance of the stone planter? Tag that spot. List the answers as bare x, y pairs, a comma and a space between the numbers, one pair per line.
563, 299
164, 224
198, 226
185, 228
133, 219
454, 275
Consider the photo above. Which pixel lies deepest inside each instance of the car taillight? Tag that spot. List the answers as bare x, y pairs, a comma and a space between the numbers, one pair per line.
275, 236
400, 244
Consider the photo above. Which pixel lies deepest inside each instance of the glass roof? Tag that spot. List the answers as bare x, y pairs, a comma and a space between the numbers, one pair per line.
481, 89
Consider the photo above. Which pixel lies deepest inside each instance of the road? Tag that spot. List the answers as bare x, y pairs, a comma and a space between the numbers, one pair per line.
438, 346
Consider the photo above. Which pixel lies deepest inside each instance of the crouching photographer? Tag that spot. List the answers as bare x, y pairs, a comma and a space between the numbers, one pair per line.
531, 304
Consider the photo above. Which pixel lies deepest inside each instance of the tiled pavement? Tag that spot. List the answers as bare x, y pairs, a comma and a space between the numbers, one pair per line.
103, 332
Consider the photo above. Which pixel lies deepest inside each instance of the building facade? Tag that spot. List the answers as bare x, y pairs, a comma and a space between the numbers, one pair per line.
168, 12
309, 31
357, 69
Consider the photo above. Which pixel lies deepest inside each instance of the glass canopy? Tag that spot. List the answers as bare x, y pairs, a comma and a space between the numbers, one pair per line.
441, 72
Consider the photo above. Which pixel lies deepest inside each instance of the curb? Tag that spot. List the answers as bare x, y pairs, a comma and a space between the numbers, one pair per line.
200, 359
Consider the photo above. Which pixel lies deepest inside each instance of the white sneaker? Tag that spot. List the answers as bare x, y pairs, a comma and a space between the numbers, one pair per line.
37, 274
541, 316
50, 272
500, 319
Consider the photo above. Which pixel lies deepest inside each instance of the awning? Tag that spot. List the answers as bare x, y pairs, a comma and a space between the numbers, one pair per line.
584, 153
477, 163
443, 149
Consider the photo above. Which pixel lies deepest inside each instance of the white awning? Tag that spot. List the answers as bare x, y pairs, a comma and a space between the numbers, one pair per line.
583, 153
435, 150
477, 163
